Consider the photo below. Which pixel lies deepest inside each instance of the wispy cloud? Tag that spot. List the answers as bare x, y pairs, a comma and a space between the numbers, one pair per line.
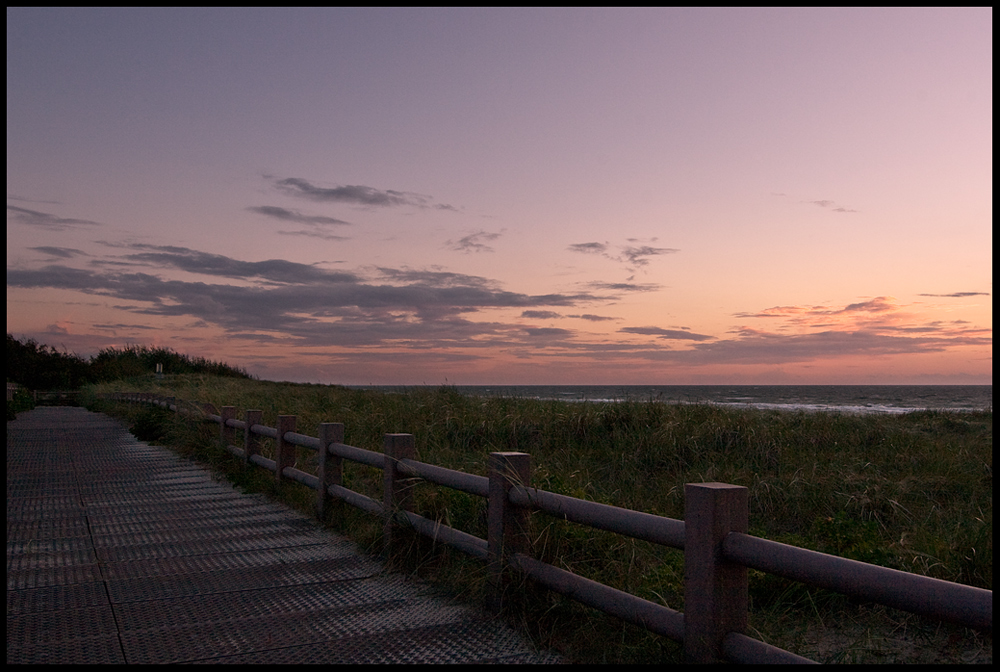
60, 252
876, 326
317, 226
666, 334
623, 286
473, 242
830, 205
749, 346
313, 233
548, 333
271, 270
123, 327
45, 220
357, 195
752, 346
552, 315
594, 318
639, 256
633, 256
435, 278
589, 248
957, 295
286, 215
880, 304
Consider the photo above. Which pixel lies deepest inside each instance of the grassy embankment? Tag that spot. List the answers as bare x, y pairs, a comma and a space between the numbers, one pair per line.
913, 492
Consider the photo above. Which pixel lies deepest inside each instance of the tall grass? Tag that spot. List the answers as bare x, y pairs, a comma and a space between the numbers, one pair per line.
37, 366
138, 360
912, 492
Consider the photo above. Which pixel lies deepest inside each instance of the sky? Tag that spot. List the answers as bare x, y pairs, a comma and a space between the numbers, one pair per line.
508, 196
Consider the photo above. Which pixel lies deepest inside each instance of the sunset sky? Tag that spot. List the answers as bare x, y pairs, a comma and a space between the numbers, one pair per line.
508, 196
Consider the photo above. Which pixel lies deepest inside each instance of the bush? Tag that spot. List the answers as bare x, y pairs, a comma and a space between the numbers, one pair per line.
23, 400
42, 367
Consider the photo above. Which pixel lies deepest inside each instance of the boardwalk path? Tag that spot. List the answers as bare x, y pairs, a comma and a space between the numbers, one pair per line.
122, 552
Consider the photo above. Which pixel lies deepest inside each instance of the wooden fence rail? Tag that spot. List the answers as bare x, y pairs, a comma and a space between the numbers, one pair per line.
717, 549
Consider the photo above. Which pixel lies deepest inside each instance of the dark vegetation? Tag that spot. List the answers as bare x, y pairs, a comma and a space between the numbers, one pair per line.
41, 367
37, 366
912, 492
20, 400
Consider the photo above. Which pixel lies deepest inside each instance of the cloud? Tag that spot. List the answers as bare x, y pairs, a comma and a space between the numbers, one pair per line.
593, 318
286, 215
316, 223
666, 334
357, 195
759, 347
623, 286
380, 313
120, 326
639, 256
830, 205
322, 235
548, 332
878, 326
957, 295
880, 304
304, 304
588, 248
61, 252
272, 270
633, 256
471, 243
435, 278
45, 220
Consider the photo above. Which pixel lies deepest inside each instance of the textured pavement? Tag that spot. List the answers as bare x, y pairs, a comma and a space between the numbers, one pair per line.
118, 551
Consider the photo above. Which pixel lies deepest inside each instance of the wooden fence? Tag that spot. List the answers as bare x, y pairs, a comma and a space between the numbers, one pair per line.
717, 549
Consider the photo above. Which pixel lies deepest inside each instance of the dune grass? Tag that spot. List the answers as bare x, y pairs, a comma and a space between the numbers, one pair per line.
912, 492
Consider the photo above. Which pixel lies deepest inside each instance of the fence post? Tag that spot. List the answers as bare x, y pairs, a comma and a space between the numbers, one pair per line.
507, 525
715, 590
225, 431
251, 446
331, 467
284, 452
396, 490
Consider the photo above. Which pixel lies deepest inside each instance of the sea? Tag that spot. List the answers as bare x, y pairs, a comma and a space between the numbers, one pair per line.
836, 398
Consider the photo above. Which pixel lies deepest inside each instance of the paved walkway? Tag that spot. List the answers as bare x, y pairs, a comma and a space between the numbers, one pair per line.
122, 552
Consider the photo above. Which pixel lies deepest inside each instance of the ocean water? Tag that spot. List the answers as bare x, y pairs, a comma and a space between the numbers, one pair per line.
842, 398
